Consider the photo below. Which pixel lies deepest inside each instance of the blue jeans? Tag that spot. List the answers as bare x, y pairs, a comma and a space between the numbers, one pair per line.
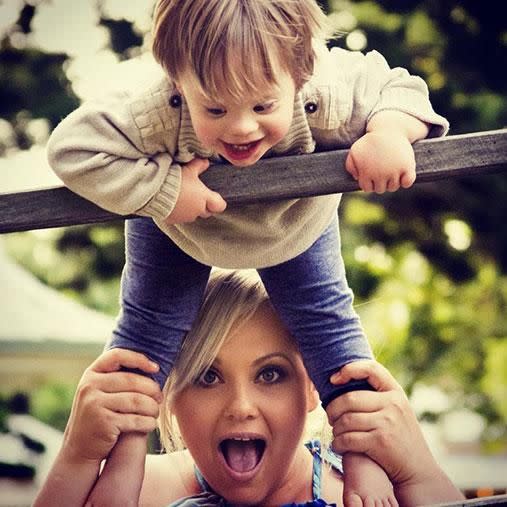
162, 290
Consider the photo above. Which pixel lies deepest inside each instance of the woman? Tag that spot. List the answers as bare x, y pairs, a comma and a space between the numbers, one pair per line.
241, 397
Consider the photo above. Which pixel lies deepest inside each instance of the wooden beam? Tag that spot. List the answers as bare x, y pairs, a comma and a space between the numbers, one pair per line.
270, 179
498, 501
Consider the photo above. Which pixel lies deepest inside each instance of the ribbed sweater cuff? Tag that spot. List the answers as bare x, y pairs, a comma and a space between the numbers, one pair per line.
163, 202
414, 103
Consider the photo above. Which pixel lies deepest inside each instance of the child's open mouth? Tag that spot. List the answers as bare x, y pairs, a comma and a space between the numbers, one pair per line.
241, 151
242, 455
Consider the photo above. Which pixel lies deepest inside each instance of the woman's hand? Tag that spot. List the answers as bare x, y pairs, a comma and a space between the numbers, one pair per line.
380, 424
108, 402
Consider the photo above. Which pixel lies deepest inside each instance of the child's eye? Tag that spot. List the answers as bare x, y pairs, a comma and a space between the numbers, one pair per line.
215, 111
208, 378
264, 108
271, 375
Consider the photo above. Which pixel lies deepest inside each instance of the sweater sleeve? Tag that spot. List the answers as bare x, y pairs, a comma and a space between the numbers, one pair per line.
372, 86
98, 152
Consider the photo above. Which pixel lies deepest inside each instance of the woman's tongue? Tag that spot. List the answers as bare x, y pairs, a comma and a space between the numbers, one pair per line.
241, 455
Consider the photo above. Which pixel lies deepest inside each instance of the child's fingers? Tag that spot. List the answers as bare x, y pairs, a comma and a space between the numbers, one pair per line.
366, 184
199, 165
379, 186
407, 179
215, 203
378, 376
115, 359
393, 184
350, 166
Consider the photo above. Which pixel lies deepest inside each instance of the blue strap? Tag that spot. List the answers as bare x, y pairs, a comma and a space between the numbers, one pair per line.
314, 447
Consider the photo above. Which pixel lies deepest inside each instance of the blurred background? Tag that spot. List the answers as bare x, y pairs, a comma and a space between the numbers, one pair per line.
428, 265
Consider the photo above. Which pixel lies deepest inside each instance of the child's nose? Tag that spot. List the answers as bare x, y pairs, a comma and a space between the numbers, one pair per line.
243, 125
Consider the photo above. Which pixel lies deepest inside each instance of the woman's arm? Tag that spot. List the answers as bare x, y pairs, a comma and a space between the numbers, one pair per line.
383, 425
107, 402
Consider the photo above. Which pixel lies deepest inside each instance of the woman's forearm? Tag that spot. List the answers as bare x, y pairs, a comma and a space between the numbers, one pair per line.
68, 483
436, 487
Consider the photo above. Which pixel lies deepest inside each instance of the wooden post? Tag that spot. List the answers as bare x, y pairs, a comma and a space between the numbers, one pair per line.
269, 179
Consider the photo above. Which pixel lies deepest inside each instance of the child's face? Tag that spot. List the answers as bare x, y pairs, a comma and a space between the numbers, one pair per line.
241, 131
243, 420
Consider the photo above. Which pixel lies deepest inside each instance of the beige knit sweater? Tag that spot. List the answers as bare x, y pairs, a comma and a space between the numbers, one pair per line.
124, 154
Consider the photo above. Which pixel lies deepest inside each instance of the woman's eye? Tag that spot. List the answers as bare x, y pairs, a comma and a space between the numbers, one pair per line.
264, 108
208, 378
271, 375
215, 111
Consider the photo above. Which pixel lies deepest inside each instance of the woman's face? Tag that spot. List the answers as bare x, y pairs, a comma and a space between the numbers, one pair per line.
243, 420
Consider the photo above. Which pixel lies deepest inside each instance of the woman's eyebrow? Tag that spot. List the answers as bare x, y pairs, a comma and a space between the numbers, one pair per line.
272, 355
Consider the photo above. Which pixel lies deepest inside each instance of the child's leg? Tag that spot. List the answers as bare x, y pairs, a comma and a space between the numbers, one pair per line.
312, 297
161, 293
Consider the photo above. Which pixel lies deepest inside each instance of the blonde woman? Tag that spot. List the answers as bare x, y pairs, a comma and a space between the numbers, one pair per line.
239, 400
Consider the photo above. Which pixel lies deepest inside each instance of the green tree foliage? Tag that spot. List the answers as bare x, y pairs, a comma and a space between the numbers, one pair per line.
428, 265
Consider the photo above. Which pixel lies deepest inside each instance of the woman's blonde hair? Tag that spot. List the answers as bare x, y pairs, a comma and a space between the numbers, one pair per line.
230, 297
210, 38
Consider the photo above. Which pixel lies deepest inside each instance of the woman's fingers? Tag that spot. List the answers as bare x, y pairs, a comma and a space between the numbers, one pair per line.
127, 423
355, 421
131, 403
356, 401
127, 382
116, 359
376, 374
352, 441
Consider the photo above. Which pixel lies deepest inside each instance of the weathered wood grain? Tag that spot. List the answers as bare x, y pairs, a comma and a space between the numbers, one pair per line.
270, 179
498, 501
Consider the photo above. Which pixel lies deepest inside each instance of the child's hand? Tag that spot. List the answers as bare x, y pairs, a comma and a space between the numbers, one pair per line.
109, 402
381, 161
195, 198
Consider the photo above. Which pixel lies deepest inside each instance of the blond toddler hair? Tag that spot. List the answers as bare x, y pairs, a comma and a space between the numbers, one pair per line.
237, 46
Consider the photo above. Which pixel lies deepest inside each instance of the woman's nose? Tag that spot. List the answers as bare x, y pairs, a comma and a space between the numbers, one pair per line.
241, 404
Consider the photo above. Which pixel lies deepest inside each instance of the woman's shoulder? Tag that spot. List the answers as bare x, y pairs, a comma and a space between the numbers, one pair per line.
332, 484
168, 477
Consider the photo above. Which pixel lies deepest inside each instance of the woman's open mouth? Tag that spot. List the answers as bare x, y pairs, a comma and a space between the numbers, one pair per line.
241, 151
242, 456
